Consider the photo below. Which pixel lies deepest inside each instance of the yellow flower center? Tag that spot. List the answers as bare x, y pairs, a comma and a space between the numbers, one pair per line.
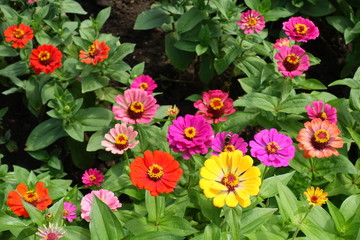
18, 33
155, 172
121, 139
44, 55
143, 86
323, 116
173, 111
31, 196
230, 180
92, 178
301, 28
292, 58
321, 136
228, 148
137, 107
66, 213
251, 22
216, 103
190, 132
92, 50
272, 147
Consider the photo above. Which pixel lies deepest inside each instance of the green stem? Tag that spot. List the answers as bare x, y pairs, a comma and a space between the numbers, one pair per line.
301, 221
265, 171
140, 137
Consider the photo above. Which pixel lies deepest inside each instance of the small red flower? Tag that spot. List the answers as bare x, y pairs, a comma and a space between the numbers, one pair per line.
19, 35
46, 58
97, 52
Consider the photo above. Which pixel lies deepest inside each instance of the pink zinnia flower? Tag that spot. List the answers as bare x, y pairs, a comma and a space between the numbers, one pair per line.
69, 211
272, 148
300, 29
292, 61
52, 232
120, 139
190, 135
136, 106
30, 1
106, 196
251, 21
228, 142
281, 42
318, 110
213, 105
144, 82
92, 177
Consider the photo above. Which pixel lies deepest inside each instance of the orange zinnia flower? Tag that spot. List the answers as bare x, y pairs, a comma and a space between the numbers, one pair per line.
19, 35
38, 198
46, 58
97, 52
319, 139
156, 172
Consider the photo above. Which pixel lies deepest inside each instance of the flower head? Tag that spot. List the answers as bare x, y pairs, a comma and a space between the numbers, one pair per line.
19, 35
319, 139
213, 105
158, 172
173, 111
92, 177
228, 142
272, 148
31, 1
251, 22
144, 82
38, 197
190, 135
315, 196
120, 139
106, 196
319, 109
136, 106
300, 29
52, 232
281, 42
97, 52
230, 179
69, 211
292, 61
45, 58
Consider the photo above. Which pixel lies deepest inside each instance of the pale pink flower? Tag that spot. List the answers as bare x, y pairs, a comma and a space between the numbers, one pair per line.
300, 29
69, 211
51, 232
281, 42
144, 82
251, 22
319, 109
92, 177
120, 139
292, 61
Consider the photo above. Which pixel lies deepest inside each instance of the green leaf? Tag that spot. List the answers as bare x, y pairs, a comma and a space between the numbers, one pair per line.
70, 6
155, 207
92, 82
314, 232
139, 226
321, 8
352, 83
320, 217
6, 51
200, 49
76, 232
232, 218
238, 121
80, 157
311, 84
255, 218
269, 186
102, 17
176, 225
57, 211
21, 174
15, 69
152, 18
340, 23
9, 14
295, 104
258, 100
9, 223
156, 236
288, 203
94, 118
337, 217
355, 136
222, 64
189, 20
35, 214
180, 59
74, 130
253, 4
350, 207
212, 232
94, 143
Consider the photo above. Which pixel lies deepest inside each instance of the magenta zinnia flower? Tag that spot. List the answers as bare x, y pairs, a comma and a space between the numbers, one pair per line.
136, 106
251, 22
292, 61
52, 232
190, 135
106, 196
272, 148
144, 82
213, 105
318, 110
69, 211
300, 29
228, 142
92, 177
281, 42
120, 139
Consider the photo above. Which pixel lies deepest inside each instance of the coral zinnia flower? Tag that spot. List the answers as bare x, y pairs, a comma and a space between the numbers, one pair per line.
319, 139
251, 22
316, 197
52, 232
144, 82
292, 61
106, 196
230, 179
69, 212
228, 142
281, 42
97, 52
300, 29
317, 110
213, 105
158, 172
92, 177
39, 197
120, 139
136, 106
190, 135
46, 58
19, 35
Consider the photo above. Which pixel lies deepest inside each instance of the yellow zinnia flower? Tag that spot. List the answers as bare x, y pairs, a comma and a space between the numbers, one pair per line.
230, 179
316, 196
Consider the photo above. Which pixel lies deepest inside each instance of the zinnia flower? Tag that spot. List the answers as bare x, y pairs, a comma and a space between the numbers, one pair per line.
292, 61
158, 172
52, 232
120, 139
106, 196
31, 1
69, 212
92, 177
97, 52
19, 35
318, 110
190, 135
281, 42
45, 58
251, 22
213, 105
38, 197
228, 142
136, 106
173, 111
300, 29
144, 82
316, 197
230, 179
272, 148
319, 139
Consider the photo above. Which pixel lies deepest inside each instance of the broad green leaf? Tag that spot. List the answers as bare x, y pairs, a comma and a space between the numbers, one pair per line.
355, 136
336, 216
340, 23
350, 207
295, 104
189, 20
57, 211
8, 223
102, 16
311, 84
238, 121
277, 13
352, 83
269, 185
180, 59
211, 232
255, 218
15, 69
94, 118
157, 236
10, 14
107, 94
35, 214
74, 130
6, 51
76, 232
200, 49
288, 203
253, 4
321, 8
93, 82
95, 140
152, 18
80, 157
232, 218
222, 64
155, 207
21, 174
251, 65
70, 6
176, 225
258, 100
314, 232
320, 217
122, 51
139, 226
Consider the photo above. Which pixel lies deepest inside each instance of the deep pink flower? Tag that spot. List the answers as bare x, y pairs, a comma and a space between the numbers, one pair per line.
136, 106
251, 22
281, 42
31, 1
106, 196
213, 105
69, 211
300, 29
292, 61
92, 177
120, 139
144, 82
228, 142
272, 148
319, 109
190, 135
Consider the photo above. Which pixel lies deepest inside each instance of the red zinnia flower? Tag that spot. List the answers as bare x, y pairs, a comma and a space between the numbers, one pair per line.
97, 52
19, 35
46, 58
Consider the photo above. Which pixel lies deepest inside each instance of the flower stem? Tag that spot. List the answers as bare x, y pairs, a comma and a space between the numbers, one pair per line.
265, 171
301, 221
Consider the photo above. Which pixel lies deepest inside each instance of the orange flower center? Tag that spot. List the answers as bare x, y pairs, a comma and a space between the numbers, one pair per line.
228, 148
155, 172
314, 199
251, 22
31, 196
190, 133
321, 136
18, 33
92, 50
121, 141
272, 147
216, 103
92, 178
44, 56
291, 62
143, 86
323, 116
301, 28
66, 213
230, 180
